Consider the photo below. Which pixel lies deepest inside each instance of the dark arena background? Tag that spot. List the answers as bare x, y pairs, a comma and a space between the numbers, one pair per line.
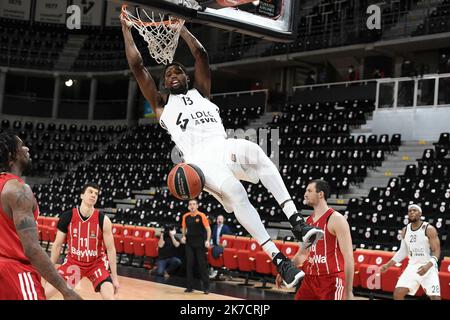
353, 92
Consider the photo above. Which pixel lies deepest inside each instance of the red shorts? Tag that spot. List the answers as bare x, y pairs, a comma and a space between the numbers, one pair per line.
326, 287
19, 281
97, 272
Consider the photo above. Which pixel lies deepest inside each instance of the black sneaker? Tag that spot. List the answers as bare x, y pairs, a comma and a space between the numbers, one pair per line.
305, 233
188, 290
288, 272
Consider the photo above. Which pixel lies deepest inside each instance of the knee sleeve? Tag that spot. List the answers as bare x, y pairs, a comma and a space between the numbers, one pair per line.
234, 193
245, 213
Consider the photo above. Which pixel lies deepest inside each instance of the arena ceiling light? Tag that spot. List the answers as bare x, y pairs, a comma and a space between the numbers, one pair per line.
69, 83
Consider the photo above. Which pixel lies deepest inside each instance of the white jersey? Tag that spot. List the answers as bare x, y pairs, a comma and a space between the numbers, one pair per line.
192, 121
419, 250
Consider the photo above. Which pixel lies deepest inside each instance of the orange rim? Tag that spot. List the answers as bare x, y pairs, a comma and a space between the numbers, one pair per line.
146, 24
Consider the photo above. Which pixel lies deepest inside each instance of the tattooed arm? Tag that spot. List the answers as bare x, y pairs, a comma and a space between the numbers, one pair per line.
19, 200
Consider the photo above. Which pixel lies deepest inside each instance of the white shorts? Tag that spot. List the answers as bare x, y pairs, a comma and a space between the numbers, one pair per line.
227, 159
411, 280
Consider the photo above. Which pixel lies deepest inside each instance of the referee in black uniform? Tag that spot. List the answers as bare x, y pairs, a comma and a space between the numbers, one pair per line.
196, 235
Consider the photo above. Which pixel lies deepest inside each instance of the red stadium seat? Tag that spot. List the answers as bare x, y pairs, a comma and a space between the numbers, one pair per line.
40, 220
264, 262
117, 230
360, 256
369, 274
128, 239
225, 241
445, 265
389, 279
264, 265
230, 254
290, 249
445, 285
246, 258
140, 235
444, 278
151, 247
41, 223
49, 229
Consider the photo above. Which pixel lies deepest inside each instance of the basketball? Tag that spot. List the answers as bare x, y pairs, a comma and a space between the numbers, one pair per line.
185, 181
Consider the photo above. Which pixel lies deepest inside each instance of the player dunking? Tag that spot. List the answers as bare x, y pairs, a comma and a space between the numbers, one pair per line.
420, 242
88, 233
196, 128
22, 259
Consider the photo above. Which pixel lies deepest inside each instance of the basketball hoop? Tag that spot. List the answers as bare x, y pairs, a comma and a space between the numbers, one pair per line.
160, 33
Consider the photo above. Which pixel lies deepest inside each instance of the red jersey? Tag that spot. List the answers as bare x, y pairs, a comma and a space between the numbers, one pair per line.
10, 245
325, 256
85, 238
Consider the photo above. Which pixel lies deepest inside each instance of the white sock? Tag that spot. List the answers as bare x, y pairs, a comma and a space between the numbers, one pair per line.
289, 209
271, 249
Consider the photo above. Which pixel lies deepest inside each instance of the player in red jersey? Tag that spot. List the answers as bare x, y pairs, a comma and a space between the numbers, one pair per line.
88, 233
328, 264
22, 259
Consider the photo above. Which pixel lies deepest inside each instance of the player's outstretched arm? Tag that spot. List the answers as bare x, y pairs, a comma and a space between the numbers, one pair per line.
20, 199
57, 245
202, 72
401, 254
143, 77
342, 230
108, 238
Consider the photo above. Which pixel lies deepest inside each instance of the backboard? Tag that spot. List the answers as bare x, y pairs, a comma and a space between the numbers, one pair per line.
268, 19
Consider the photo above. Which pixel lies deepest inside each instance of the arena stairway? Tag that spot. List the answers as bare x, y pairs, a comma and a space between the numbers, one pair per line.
394, 165
70, 51
262, 121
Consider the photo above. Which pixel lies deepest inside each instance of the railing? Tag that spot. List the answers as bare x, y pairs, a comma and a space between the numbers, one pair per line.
14, 104
43, 107
333, 84
431, 90
97, 101
28, 98
57, 122
238, 93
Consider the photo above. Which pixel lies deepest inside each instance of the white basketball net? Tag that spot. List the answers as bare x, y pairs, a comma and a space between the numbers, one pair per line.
161, 35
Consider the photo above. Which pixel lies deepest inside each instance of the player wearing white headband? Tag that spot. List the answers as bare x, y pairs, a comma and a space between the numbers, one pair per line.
420, 242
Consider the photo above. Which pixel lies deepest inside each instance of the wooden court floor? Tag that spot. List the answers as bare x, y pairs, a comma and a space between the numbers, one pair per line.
135, 289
